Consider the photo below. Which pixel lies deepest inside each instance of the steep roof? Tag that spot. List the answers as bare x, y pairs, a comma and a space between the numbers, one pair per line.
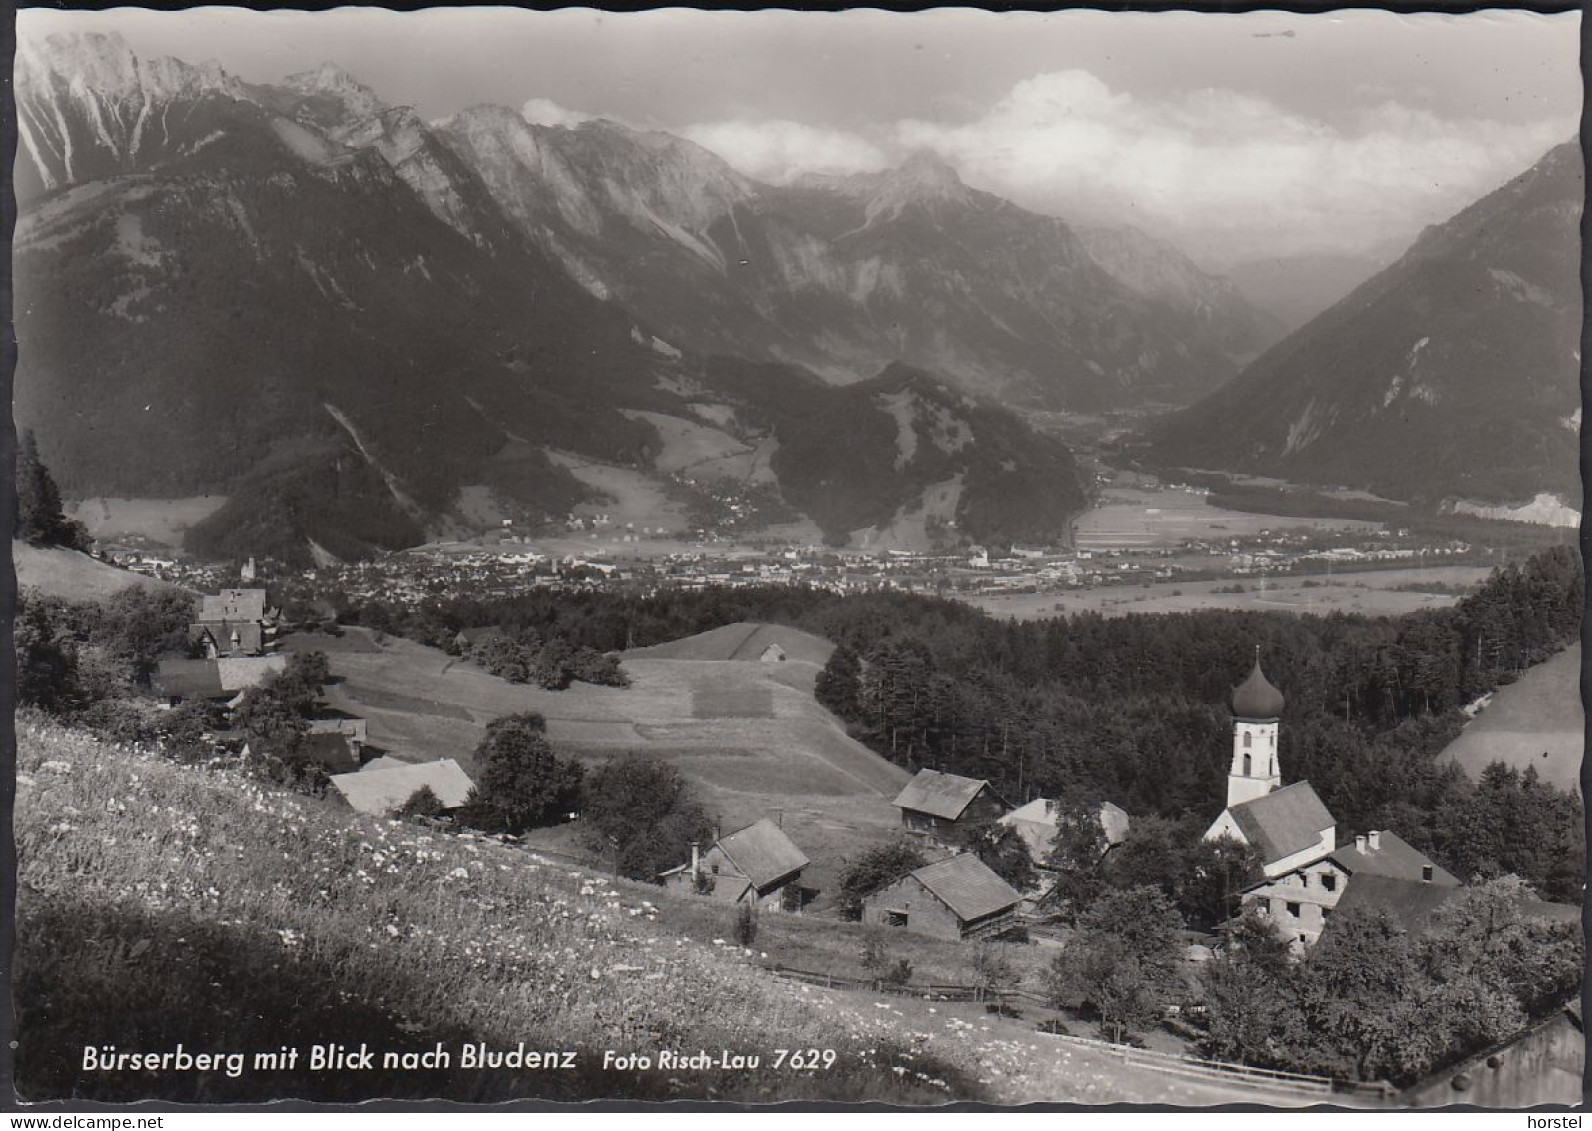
188, 679
763, 853
233, 605
939, 795
1393, 857
1284, 821
1410, 903
379, 792
966, 885
1035, 824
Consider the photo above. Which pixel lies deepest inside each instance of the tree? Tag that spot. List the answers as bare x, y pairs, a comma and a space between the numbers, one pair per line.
423, 802
642, 814
1122, 961
1076, 853
878, 867
1215, 874
522, 783
836, 686
40, 519
47, 675
998, 846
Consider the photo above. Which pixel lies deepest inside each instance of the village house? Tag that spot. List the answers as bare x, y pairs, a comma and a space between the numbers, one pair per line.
758, 864
956, 898
233, 622
1035, 825
338, 743
933, 802
221, 679
379, 792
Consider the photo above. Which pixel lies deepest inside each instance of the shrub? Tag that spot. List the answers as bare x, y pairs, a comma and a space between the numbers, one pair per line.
745, 925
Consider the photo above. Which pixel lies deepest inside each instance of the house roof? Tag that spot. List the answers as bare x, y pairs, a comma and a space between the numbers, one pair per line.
939, 795
1284, 821
250, 634
238, 673
379, 792
188, 679
763, 853
1393, 857
1409, 902
1035, 824
331, 750
233, 605
966, 885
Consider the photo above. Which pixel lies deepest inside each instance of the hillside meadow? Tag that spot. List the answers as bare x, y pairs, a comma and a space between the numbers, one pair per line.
161, 904
748, 734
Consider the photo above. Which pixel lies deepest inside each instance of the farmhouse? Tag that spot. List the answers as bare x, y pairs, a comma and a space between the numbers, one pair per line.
758, 864
956, 898
380, 792
933, 801
233, 622
220, 679
1035, 825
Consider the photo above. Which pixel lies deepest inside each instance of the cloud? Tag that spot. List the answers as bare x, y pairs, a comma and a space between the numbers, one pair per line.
1226, 173
546, 112
777, 150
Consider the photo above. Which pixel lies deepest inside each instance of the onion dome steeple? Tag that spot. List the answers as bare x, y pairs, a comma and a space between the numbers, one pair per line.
1256, 698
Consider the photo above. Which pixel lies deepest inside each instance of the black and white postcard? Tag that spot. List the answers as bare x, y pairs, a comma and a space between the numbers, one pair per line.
770, 556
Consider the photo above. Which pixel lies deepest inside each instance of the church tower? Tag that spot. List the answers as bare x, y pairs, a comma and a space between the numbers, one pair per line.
1257, 705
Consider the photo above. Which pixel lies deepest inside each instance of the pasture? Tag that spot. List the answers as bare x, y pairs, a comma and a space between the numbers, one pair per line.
164, 521
749, 734
1383, 592
1535, 721
74, 576
1138, 518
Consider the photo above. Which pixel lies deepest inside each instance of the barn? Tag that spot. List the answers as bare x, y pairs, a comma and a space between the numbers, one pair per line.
933, 801
956, 898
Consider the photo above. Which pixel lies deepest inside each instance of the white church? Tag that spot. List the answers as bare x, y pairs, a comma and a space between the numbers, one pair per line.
1305, 873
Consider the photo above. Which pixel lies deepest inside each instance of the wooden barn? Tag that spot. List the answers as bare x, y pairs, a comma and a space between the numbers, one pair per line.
956, 898
934, 801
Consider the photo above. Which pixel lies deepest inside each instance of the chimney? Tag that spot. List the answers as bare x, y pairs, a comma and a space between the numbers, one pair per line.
717, 836
1375, 837
696, 860
1359, 842
1426, 873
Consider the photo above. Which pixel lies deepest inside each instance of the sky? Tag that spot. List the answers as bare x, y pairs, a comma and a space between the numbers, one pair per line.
1236, 136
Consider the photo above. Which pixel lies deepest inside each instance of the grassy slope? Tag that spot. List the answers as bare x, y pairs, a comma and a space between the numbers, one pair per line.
1540, 712
749, 734
158, 904
67, 573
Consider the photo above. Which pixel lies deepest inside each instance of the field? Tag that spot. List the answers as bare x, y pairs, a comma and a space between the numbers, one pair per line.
160, 520
154, 898
748, 733
1383, 592
1137, 518
75, 576
1535, 721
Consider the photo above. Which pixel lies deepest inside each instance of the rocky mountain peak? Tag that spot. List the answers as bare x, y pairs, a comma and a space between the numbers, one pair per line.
331, 80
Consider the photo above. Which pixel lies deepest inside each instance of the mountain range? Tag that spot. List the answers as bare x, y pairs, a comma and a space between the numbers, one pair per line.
355, 324
343, 319
1450, 376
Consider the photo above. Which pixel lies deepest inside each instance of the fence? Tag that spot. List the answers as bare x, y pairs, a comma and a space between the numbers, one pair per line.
1321, 1089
